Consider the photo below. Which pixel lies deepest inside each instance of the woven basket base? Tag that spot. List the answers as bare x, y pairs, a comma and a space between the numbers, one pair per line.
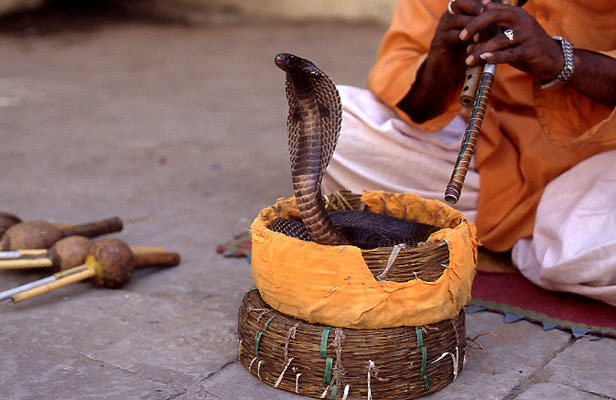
325, 362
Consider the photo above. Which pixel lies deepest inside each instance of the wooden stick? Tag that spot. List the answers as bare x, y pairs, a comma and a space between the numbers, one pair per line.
10, 292
8, 255
156, 258
58, 283
32, 252
139, 250
93, 229
26, 263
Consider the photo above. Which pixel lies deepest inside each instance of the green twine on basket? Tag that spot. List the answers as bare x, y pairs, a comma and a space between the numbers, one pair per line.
329, 362
329, 367
324, 337
419, 336
424, 357
259, 334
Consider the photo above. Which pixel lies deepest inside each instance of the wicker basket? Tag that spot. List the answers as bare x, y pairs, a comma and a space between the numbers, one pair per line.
371, 354
337, 363
367, 289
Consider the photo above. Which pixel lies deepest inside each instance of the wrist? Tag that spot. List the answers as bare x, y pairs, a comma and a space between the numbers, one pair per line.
568, 65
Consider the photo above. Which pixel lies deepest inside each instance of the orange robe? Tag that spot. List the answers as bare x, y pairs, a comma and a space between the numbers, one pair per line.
529, 135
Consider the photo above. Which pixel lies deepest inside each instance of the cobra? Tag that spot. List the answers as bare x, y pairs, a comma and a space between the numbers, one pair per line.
313, 124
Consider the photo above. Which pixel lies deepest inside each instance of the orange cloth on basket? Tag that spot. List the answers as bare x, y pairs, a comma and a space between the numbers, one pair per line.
529, 135
332, 285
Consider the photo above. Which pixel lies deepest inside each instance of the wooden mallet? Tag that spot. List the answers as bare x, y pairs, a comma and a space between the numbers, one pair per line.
42, 235
109, 263
64, 254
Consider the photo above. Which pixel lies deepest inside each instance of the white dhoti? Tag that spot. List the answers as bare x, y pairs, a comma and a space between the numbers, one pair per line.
573, 247
379, 151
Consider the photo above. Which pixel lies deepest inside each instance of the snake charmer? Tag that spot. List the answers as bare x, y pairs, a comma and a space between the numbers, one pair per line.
542, 183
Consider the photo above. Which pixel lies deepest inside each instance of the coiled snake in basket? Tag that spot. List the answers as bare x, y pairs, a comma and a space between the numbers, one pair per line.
313, 124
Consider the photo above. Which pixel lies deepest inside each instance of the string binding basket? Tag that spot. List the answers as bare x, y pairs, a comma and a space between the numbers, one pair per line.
340, 363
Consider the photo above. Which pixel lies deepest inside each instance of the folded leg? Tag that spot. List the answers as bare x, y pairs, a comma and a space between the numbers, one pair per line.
573, 247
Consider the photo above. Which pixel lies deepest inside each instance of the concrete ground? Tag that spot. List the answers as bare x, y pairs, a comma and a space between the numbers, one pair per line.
180, 131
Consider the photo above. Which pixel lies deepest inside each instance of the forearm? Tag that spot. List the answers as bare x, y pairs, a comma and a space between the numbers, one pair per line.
442, 73
594, 76
433, 87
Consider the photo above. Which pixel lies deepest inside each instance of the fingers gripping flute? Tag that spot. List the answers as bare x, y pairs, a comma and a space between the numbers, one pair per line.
476, 91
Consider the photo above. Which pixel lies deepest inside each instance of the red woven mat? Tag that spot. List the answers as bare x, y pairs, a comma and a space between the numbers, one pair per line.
499, 287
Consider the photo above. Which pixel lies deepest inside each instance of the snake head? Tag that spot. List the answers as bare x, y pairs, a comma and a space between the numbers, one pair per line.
293, 64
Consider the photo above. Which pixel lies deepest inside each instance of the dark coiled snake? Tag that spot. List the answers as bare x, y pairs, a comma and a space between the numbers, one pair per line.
313, 124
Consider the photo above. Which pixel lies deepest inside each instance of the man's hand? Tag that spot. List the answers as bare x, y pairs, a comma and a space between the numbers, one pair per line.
532, 50
446, 44
536, 53
444, 67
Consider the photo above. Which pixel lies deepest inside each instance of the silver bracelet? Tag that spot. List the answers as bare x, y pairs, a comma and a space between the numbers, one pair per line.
568, 68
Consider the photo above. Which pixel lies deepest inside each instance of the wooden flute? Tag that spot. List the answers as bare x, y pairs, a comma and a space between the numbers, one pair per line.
475, 92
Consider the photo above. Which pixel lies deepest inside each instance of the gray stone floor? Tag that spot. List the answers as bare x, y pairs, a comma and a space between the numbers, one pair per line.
180, 130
